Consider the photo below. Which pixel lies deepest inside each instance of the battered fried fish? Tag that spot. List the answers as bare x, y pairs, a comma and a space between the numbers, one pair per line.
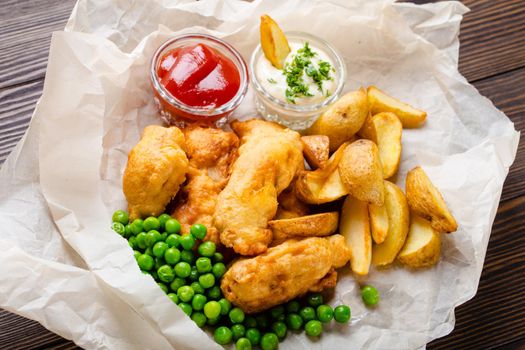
285, 272
156, 167
211, 153
269, 158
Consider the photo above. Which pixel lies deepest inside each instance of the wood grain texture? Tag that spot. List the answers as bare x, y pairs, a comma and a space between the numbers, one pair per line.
492, 55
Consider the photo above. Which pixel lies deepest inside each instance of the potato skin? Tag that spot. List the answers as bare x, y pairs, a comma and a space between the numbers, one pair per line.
361, 171
316, 149
398, 222
381, 102
425, 200
343, 119
426, 256
316, 225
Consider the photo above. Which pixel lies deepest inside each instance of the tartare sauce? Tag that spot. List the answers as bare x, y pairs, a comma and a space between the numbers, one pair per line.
308, 76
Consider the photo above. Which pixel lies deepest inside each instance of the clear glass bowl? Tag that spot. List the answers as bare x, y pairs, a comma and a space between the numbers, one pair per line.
175, 112
294, 116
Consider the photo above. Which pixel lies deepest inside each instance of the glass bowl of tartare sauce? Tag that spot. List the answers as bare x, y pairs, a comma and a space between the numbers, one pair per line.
312, 78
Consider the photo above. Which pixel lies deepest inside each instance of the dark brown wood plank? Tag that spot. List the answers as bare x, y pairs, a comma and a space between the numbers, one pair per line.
25, 37
496, 315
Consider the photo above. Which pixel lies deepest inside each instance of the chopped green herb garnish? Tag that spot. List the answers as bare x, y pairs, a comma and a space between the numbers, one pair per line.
301, 65
272, 81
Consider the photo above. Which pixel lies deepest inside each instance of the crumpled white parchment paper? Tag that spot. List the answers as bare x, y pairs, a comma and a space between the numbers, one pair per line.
63, 266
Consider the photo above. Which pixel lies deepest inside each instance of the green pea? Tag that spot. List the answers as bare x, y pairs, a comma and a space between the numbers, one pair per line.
163, 287
254, 335
159, 249
207, 280
187, 256
214, 293
262, 321
207, 249
212, 309
226, 306
213, 321
173, 240
137, 226
127, 231
186, 308
154, 275
307, 313
342, 314
277, 313
203, 264
162, 220
187, 242
159, 262
182, 269
141, 240
199, 318
269, 341
293, 306
217, 257
313, 328
177, 283
165, 273
172, 256
149, 252
185, 293
172, 226
294, 321
198, 231
151, 238
243, 344
223, 335
120, 216
145, 262
197, 287
198, 302
325, 313
370, 296
118, 228
163, 237
279, 328
315, 299
173, 297
249, 321
218, 270
151, 223
132, 242
238, 331
194, 274
136, 254
236, 315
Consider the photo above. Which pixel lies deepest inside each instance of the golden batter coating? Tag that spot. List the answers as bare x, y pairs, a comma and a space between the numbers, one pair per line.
156, 167
269, 158
285, 272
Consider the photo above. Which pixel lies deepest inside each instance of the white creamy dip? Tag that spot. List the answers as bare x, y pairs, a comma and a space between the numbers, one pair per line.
273, 80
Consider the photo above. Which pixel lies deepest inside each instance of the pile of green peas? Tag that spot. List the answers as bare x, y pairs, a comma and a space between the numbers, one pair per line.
191, 280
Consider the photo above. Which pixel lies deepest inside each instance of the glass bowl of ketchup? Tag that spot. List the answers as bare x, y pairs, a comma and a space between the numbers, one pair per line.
197, 78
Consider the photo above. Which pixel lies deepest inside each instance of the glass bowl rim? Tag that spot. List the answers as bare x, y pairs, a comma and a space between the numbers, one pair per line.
229, 106
340, 65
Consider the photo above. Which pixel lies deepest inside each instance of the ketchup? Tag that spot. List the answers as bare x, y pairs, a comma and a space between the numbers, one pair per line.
199, 76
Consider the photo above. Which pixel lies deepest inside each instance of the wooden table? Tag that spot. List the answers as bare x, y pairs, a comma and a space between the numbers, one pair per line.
492, 57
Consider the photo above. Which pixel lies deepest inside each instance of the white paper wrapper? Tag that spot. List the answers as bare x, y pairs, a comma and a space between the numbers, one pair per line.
63, 266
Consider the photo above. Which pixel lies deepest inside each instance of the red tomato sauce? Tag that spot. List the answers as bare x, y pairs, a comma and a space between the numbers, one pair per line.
199, 76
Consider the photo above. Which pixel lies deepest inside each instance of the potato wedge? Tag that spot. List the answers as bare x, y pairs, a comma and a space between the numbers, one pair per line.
273, 42
355, 227
322, 185
316, 225
381, 102
316, 150
423, 244
398, 220
378, 222
343, 119
388, 130
425, 200
290, 206
360, 170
